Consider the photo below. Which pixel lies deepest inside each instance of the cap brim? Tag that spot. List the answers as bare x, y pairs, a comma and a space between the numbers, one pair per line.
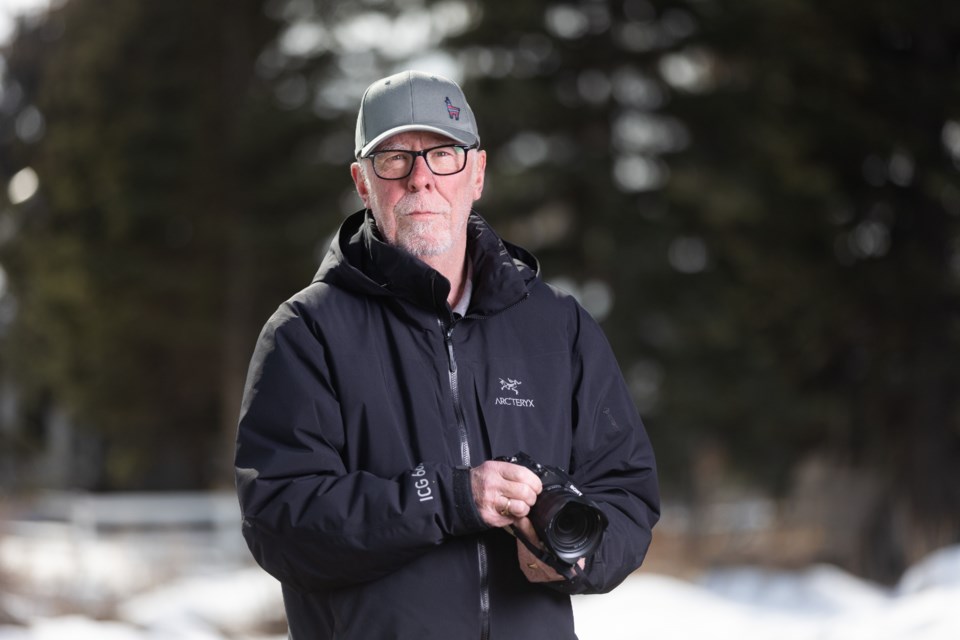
457, 135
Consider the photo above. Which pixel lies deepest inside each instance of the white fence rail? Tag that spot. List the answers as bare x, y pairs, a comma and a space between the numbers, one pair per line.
107, 545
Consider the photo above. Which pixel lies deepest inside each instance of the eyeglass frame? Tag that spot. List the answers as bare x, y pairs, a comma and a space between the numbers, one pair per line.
420, 154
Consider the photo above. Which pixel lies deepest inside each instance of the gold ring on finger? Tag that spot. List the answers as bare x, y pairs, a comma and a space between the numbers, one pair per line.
506, 508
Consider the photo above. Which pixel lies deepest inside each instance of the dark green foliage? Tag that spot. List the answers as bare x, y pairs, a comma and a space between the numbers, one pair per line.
822, 182
179, 206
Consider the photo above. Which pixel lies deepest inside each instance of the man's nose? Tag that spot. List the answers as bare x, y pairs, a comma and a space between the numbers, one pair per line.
420, 175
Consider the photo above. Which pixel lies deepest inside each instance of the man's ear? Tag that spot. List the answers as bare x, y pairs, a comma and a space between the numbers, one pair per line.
479, 174
360, 182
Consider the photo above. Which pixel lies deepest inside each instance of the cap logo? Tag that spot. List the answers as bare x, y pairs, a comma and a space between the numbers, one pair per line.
452, 111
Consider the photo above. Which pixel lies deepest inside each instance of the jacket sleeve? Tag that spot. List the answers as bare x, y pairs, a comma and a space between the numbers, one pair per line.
307, 520
612, 463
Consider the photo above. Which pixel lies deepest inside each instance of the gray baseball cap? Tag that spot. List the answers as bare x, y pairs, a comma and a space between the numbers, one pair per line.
413, 101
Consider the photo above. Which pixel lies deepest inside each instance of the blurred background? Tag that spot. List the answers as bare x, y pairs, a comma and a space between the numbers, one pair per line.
758, 199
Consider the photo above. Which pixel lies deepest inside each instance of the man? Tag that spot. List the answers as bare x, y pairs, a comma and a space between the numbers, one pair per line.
379, 396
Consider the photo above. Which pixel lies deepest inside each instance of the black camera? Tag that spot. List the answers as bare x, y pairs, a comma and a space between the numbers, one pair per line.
569, 524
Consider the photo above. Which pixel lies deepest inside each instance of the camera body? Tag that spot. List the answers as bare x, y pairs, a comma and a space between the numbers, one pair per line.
569, 524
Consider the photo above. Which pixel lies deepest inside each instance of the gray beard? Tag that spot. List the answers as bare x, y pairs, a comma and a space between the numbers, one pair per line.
414, 242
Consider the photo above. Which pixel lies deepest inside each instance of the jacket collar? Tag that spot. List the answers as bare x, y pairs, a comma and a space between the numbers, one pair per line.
359, 260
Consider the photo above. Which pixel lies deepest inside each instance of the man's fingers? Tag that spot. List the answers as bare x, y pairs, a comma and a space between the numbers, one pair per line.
515, 482
503, 478
519, 491
514, 508
503, 491
521, 475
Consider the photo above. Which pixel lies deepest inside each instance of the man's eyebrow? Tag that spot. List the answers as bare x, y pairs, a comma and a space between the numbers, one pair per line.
398, 146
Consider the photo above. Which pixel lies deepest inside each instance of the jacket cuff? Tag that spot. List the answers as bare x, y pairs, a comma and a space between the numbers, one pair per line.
573, 586
463, 501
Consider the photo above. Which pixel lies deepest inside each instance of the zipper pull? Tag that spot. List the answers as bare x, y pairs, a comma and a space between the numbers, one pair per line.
448, 341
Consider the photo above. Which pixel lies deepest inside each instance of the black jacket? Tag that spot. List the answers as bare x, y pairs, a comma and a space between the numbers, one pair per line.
367, 402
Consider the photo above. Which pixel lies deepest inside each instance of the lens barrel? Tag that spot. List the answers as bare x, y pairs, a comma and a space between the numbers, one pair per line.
567, 524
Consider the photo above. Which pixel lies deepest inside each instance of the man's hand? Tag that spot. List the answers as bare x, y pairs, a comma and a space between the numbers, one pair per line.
530, 565
503, 491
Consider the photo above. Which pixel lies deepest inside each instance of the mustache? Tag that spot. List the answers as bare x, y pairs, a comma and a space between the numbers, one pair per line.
417, 202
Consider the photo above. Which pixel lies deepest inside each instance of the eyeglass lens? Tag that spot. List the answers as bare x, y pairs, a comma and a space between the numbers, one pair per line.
394, 164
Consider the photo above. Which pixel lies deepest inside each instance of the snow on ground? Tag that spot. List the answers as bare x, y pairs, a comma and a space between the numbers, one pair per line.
175, 586
820, 603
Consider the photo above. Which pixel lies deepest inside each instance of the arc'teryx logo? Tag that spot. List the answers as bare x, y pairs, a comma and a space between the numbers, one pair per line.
511, 385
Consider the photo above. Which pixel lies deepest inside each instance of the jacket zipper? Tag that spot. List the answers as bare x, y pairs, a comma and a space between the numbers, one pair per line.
465, 460
455, 390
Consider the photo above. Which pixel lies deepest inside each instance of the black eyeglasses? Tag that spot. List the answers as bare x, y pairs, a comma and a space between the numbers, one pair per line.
396, 164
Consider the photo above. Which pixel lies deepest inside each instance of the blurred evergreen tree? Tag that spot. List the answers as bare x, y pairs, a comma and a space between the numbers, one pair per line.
182, 197
823, 181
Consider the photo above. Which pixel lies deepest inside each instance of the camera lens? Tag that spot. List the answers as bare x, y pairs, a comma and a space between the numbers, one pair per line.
567, 525
571, 523
576, 530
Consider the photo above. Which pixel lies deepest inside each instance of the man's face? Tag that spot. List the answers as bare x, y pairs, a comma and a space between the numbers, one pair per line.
425, 214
